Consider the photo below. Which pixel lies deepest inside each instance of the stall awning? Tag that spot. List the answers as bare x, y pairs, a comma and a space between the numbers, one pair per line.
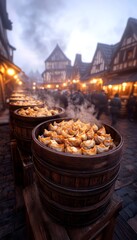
9, 64
132, 77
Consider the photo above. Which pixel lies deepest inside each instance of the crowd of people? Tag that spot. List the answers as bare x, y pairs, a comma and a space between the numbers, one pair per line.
99, 99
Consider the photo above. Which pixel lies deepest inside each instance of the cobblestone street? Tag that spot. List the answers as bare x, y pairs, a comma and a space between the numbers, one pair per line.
126, 184
12, 223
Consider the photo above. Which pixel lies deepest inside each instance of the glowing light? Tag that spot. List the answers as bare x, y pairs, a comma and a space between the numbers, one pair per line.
33, 87
34, 83
124, 86
10, 71
48, 86
83, 85
74, 80
64, 84
109, 86
94, 80
57, 86
16, 76
116, 88
2, 69
20, 82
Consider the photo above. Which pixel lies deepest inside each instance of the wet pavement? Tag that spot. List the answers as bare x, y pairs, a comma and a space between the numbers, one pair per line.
126, 184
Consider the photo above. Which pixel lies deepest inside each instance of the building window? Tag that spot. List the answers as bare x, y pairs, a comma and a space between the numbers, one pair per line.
129, 54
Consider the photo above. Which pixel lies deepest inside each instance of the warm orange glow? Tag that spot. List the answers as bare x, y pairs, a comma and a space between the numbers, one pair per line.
109, 86
20, 82
64, 84
16, 76
2, 69
84, 85
74, 81
94, 80
48, 86
57, 86
10, 71
124, 86
116, 87
33, 87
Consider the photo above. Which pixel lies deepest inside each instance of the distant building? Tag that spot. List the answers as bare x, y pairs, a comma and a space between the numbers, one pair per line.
56, 69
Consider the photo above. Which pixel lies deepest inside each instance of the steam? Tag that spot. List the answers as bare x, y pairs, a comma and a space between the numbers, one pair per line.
84, 112
38, 20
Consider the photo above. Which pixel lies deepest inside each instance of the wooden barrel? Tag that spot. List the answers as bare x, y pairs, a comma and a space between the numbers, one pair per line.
12, 108
75, 190
23, 126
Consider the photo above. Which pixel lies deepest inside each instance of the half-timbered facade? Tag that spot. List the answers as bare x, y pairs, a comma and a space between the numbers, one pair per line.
122, 76
102, 57
56, 66
125, 59
99, 66
114, 67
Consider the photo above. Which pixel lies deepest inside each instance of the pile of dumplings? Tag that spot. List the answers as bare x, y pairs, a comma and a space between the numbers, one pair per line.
37, 112
77, 137
27, 102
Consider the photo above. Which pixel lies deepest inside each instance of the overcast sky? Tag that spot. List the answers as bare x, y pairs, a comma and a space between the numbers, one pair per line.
76, 25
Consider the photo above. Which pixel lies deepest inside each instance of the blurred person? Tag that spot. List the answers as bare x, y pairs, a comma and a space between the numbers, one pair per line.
101, 103
64, 99
77, 98
131, 107
115, 106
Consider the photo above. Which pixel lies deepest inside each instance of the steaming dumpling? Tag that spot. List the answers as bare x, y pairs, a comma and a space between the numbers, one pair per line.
47, 133
45, 140
58, 138
83, 136
91, 151
65, 134
109, 143
95, 127
90, 133
99, 139
101, 131
102, 148
73, 141
107, 136
59, 130
74, 150
54, 145
52, 127
88, 144
72, 132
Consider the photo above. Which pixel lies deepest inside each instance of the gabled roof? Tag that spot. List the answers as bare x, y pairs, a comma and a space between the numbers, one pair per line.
82, 67
131, 23
56, 49
131, 28
107, 51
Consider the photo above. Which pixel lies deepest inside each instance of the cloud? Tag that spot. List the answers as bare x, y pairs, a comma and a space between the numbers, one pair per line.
77, 26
